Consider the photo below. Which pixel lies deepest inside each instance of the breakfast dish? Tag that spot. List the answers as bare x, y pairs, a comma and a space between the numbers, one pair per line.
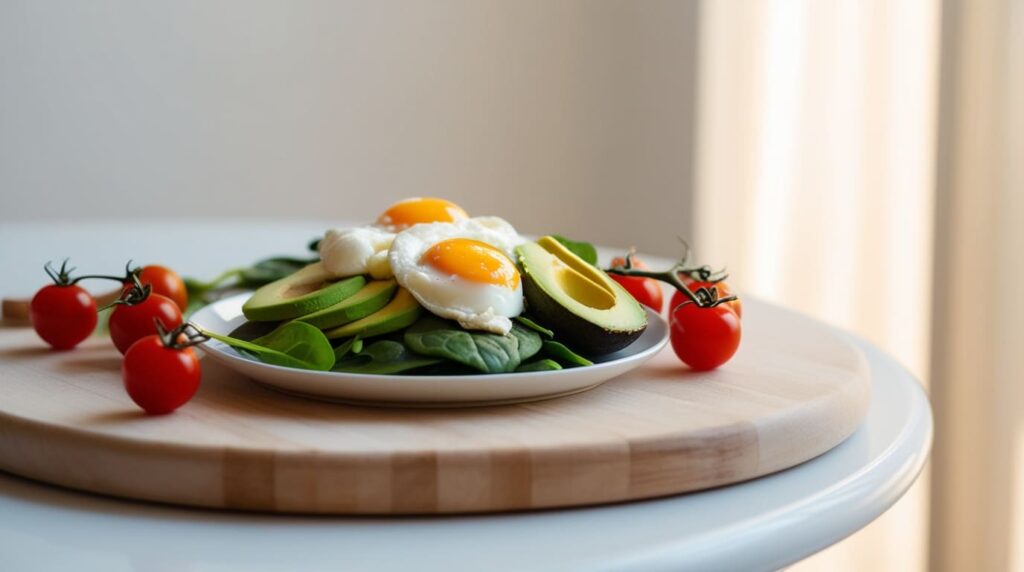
428, 290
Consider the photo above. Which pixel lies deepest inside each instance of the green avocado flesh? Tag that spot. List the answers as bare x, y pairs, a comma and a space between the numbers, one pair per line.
398, 314
578, 301
309, 290
372, 297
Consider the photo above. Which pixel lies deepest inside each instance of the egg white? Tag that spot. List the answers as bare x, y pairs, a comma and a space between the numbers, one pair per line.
475, 305
360, 250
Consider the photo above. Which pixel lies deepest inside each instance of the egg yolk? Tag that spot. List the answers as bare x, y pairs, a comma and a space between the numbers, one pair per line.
404, 214
472, 260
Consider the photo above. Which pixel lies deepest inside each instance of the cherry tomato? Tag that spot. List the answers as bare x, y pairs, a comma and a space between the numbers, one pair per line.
647, 291
722, 287
159, 378
704, 338
129, 324
63, 315
165, 282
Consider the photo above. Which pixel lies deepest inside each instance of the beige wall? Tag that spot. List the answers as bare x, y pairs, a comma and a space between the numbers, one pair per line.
569, 116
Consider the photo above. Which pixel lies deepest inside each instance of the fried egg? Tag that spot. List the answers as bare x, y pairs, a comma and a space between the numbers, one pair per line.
462, 270
417, 210
364, 250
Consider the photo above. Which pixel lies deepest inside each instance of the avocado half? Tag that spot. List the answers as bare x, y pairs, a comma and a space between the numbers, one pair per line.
308, 290
577, 300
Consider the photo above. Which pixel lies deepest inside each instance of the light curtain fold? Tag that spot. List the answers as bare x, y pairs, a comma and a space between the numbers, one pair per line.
815, 184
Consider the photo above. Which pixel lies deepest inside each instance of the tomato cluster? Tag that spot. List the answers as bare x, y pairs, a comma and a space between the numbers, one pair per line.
704, 314
160, 370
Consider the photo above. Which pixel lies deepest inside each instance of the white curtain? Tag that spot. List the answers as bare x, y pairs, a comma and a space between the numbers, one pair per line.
977, 373
815, 185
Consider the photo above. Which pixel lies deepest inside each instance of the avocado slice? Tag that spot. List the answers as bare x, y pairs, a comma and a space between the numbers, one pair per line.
306, 291
578, 301
400, 313
370, 298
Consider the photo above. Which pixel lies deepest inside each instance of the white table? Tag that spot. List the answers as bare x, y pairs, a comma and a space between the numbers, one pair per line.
763, 524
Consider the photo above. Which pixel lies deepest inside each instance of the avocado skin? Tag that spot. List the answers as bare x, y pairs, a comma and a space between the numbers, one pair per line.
585, 336
267, 304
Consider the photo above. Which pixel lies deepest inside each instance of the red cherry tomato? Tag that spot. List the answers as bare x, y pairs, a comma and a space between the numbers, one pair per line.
63, 315
704, 338
724, 291
159, 379
647, 291
165, 282
129, 324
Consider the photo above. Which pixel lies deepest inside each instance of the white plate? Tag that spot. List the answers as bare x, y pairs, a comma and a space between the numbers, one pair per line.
225, 315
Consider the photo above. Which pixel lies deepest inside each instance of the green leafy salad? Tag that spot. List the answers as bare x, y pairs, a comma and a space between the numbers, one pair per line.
426, 290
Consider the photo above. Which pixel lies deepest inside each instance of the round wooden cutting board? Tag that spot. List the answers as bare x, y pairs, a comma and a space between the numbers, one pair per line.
795, 390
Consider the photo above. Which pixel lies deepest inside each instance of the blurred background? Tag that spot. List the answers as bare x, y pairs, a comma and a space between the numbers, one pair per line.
862, 161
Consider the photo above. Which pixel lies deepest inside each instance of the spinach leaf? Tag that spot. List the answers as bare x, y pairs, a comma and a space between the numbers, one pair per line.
305, 343
534, 326
271, 269
295, 344
562, 353
486, 352
259, 273
529, 341
249, 331
197, 288
539, 365
584, 250
383, 357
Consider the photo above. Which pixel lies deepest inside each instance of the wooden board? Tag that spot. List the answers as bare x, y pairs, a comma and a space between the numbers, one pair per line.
794, 391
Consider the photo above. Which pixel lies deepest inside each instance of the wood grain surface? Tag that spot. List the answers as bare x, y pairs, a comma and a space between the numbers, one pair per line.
795, 390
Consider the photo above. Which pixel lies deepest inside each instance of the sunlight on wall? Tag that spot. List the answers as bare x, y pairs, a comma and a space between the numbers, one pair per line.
814, 185
777, 145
